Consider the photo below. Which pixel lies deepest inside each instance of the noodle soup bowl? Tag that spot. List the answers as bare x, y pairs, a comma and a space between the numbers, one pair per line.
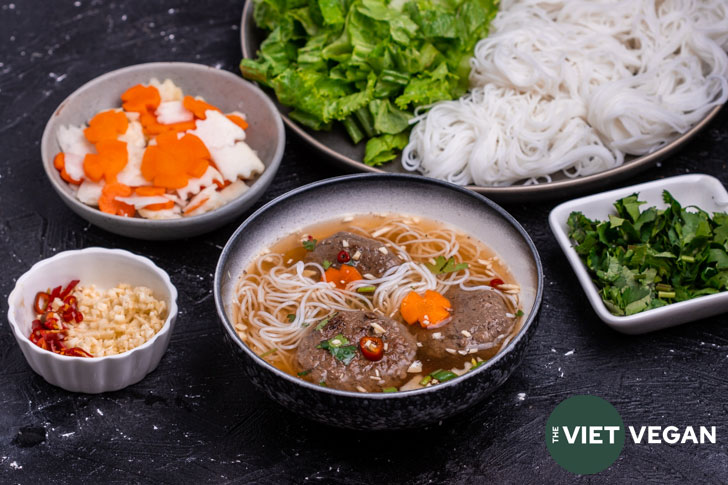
407, 195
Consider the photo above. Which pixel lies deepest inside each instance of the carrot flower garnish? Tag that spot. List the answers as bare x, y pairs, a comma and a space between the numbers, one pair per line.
109, 204
60, 163
342, 276
107, 125
141, 99
197, 106
108, 162
429, 309
238, 120
172, 161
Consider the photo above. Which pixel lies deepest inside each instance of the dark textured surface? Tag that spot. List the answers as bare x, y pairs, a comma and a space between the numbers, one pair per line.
198, 419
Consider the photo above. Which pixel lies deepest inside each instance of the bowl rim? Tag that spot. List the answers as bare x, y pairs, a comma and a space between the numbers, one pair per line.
623, 323
230, 207
402, 178
172, 310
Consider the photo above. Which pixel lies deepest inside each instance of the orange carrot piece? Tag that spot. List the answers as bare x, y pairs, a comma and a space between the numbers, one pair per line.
147, 191
429, 309
238, 120
197, 106
108, 162
342, 276
140, 99
152, 127
107, 125
190, 209
109, 204
60, 163
221, 185
160, 206
172, 161
410, 307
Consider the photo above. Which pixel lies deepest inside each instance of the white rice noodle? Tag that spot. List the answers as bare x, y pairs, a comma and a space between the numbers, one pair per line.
275, 289
572, 86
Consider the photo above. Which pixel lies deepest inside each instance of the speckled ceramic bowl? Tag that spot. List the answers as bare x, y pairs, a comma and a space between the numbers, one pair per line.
105, 268
228, 91
372, 193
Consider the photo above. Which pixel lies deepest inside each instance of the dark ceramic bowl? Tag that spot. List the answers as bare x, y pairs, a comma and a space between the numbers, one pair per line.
376, 193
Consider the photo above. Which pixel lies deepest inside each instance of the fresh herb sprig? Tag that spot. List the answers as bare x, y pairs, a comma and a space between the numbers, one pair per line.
442, 265
645, 259
339, 348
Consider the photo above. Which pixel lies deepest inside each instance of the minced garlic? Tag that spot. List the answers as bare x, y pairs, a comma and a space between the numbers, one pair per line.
115, 320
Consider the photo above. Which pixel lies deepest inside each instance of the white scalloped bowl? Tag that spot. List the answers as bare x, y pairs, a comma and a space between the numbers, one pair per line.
105, 268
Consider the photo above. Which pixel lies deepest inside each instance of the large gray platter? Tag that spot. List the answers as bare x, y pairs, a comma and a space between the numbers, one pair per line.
337, 146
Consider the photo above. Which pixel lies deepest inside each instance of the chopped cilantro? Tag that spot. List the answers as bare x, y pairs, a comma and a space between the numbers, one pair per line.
291, 317
645, 259
443, 265
326, 264
309, 244
339, 348
520, 313
305, 372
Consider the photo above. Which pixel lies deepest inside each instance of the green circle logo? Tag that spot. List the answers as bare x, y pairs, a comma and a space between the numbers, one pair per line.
585, 434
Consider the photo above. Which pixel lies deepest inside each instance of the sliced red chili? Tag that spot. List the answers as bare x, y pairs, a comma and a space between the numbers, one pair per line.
56, 292
372, 348
75, 352
496, 282
49, 331
41, 302
343, 257
68, 290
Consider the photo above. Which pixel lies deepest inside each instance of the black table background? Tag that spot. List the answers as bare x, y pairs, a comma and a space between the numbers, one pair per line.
196, 419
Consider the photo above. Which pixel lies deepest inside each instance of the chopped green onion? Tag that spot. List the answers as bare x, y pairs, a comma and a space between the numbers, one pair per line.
663, 287
425, 380
390, 389
326, 264
322, 323
366, 289
666, 294
479, 364
267, 353
305, 372
323, 383
443, 375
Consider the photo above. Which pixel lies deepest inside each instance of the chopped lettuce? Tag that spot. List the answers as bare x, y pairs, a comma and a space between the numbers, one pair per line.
366, 63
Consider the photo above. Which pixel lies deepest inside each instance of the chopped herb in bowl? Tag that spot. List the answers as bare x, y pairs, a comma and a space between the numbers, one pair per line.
645, 259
